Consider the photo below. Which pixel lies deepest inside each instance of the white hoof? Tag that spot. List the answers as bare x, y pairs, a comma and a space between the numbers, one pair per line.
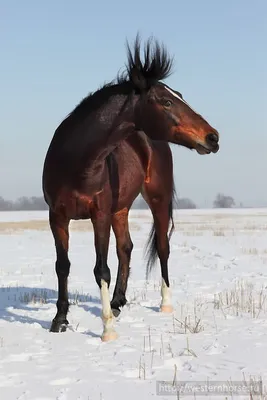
109, 336
166, 309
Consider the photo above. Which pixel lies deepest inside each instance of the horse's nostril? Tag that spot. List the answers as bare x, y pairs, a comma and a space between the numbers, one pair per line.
212, 138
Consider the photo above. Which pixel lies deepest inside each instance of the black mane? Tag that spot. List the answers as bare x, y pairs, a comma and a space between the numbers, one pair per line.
157, 64
138, 77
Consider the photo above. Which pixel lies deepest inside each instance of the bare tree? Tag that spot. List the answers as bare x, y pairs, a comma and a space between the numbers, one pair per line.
5, 205
222, 201
30, 203
184, 203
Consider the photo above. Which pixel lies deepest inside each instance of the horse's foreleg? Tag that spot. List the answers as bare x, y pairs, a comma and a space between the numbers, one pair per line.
102, 224
60, 229
124, 249
161, 221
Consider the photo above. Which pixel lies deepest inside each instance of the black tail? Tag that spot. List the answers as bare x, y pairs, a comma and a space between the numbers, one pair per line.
151, 246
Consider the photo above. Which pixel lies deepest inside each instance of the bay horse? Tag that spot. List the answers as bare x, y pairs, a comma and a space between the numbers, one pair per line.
111, 147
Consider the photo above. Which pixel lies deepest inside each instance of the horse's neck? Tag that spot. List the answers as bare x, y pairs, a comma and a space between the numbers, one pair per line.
108, 126
96, 136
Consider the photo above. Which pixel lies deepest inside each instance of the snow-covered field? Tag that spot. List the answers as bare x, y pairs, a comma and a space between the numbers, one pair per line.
217, 332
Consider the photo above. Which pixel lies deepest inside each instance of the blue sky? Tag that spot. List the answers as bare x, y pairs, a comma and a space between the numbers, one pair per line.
54, 52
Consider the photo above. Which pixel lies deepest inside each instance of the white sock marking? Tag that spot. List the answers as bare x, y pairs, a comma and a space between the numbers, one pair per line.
107, 315
165, 294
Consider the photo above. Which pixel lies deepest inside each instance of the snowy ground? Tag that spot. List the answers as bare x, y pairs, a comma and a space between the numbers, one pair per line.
218, 331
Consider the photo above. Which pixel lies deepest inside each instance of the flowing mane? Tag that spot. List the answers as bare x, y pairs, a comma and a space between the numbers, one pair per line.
139, 76
157, 64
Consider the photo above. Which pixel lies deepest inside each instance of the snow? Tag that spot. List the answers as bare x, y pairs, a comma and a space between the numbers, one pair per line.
218, 271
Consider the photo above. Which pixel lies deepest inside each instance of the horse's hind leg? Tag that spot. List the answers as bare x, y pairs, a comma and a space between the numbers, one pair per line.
102, 224
158, 193
60, 229
124, 249
160, 211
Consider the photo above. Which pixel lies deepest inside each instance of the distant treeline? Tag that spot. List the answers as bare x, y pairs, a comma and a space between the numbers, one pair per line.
180, 203
23, 204
36, 203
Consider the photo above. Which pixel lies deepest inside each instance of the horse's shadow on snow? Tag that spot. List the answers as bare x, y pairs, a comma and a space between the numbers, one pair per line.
15, 300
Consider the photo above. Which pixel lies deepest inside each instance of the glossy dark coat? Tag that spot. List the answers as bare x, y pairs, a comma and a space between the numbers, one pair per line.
113, 146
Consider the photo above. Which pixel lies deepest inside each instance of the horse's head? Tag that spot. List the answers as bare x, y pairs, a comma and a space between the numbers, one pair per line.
161, 112
165, 115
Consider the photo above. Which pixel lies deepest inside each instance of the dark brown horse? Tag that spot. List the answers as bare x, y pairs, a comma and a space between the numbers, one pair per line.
110, 148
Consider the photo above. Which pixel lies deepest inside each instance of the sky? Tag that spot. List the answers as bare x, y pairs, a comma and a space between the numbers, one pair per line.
53, 53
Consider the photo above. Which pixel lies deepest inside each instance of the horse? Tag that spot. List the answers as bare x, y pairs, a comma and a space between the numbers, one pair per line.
111, 147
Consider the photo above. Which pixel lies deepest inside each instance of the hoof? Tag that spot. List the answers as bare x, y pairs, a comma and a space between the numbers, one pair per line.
166, 309
116, 312
109, 336
59, 326
117, 304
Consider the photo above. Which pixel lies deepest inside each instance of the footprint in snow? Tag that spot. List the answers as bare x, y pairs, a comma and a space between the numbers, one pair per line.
215, 348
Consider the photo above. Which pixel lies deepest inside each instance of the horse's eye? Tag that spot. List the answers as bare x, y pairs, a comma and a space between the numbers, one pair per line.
167, 103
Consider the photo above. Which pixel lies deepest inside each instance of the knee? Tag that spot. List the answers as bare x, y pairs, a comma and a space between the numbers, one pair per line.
125, 249
63, 267
128, 248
